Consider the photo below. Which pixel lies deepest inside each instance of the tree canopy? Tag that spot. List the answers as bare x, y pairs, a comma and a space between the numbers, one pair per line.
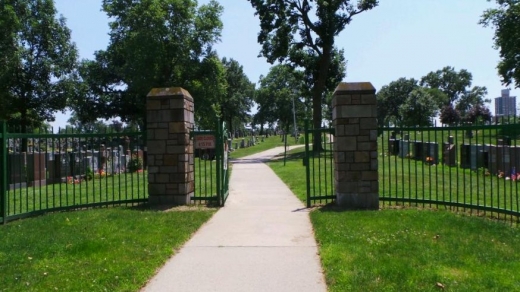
155, 43
506, 21
38, 59
302, 33
238, 99
457, 87
408, 102
391, 97
275, 96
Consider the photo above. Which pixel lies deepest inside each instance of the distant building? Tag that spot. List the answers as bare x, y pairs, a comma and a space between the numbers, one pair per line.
505, 105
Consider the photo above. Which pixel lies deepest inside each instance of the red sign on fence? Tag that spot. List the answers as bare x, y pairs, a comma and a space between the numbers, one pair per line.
204, 141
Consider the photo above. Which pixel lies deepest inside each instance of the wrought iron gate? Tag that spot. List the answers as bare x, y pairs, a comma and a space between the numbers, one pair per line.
319, 166
211, 165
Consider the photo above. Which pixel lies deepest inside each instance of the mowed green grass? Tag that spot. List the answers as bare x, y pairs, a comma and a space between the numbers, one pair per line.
119, 187
410, 179
399, 249
416, 250
110, 249
268, 143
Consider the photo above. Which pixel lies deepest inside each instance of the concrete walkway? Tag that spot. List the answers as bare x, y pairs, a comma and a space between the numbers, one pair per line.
262, 240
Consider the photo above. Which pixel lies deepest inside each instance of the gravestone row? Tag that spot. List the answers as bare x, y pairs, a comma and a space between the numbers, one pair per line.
495, 158
55, 167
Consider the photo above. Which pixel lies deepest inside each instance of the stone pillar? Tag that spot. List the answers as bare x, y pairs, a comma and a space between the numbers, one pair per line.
169, 114
354, 117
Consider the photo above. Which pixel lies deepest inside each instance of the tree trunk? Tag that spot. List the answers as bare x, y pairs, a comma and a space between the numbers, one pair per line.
317, 94
230, 128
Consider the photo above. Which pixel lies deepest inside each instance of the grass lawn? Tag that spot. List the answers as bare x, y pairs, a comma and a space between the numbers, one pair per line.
406, 178
407, 249
109, 249
416, 250
119, 187
270, 142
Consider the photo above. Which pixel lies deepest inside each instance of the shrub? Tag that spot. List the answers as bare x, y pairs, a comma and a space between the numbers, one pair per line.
89, 174
135, 163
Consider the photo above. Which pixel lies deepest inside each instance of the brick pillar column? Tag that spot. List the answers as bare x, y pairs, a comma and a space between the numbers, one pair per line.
169, 114
354, 117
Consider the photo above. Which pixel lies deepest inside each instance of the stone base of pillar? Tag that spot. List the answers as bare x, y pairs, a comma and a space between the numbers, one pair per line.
353, 201
169, 200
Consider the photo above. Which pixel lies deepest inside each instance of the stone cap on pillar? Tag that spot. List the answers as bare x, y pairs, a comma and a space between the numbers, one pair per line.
169, 91
354, 87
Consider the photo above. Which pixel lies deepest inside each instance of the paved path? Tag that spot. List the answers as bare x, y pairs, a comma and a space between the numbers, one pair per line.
262, 240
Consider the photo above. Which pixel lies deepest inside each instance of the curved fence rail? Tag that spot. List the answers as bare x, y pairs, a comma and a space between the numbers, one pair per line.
469, 168
43, 172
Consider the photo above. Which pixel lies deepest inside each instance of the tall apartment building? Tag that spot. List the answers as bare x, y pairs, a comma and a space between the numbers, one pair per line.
505, 105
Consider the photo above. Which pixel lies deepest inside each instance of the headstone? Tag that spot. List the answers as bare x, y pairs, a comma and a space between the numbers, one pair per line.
393, 146
449, 154
404, 148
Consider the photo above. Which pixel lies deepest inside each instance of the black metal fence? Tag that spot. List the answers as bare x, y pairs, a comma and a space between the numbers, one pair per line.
319, 165
44, 171
468, 168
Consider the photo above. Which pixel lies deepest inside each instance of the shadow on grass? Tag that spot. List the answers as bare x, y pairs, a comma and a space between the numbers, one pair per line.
291, 156
173, 208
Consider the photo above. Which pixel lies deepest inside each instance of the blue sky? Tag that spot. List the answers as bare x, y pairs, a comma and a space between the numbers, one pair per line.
399, 38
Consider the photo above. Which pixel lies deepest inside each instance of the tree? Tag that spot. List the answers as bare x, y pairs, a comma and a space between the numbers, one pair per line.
276, 94
470, 99
290, 33
505, 20
391, 97
38, 59
158, 43
456, 86
449, 81
238, 99
419, 108
449, 115
478, 113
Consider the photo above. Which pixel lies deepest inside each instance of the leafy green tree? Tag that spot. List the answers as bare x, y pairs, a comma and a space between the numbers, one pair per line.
209, 89
391, 97
275, 96
419, 108
38, 59
449, 81
157, 43
457, 87
8, 58
470, 99
238, 99
505, 20
302, 33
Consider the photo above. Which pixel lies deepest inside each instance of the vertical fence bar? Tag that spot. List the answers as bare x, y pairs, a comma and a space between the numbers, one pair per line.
218, 162
3, 175
307, 164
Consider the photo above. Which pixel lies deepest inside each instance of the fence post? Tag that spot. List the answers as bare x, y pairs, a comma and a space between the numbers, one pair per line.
354, 117
171, 178
219, 158
3, 172
306, 162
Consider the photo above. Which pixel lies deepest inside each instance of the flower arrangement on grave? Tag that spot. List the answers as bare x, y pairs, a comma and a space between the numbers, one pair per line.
100, 173
430, 160
72, 180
